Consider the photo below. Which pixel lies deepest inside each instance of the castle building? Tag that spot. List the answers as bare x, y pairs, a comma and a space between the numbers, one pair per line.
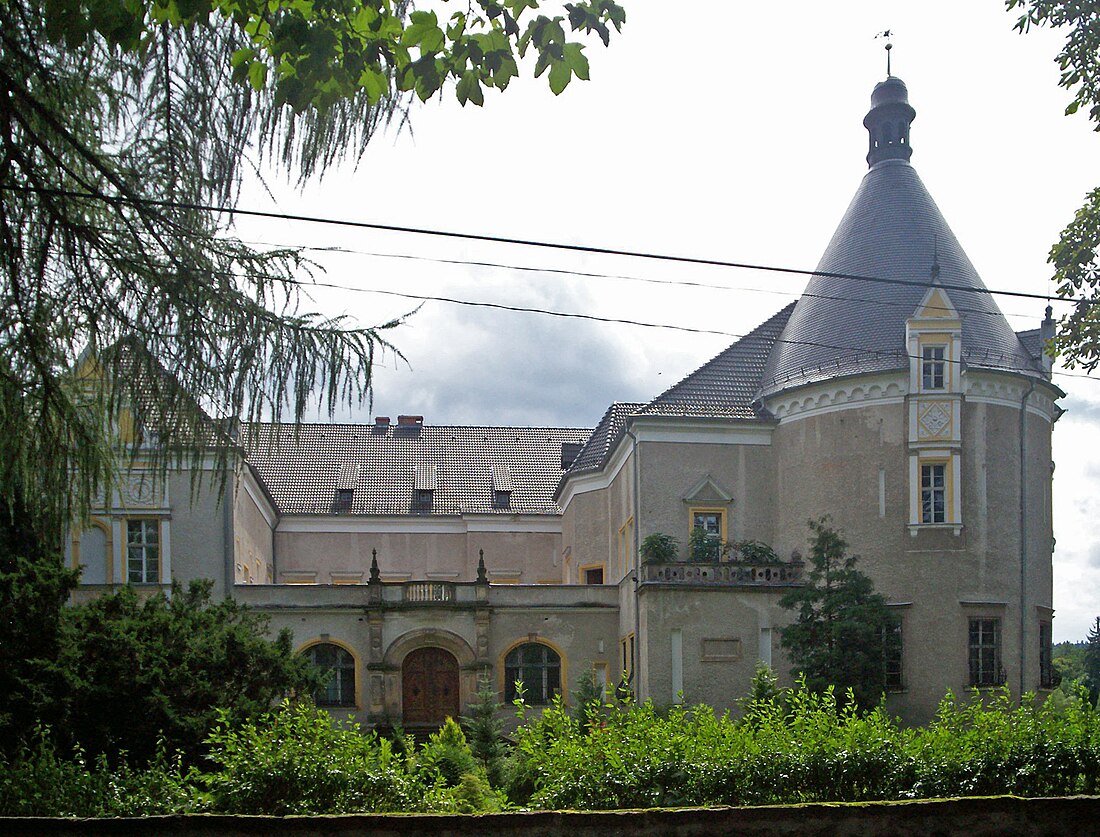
415, 560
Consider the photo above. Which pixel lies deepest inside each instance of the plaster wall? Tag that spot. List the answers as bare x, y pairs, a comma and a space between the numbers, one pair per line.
718, 644
853, 464
340, 555
253, 536
669, 471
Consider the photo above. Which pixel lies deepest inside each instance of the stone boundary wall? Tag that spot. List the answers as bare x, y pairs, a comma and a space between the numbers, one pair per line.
987, 817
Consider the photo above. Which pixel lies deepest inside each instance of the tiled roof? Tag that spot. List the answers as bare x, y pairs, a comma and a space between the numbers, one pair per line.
1032, 341
303, 468
604, 438
841, 325
726, 385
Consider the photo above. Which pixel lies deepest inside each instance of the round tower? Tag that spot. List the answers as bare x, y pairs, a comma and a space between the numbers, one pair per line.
911, 412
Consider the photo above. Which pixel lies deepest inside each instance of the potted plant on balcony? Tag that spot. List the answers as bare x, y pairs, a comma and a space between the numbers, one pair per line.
659, 548
704, 545
754, 552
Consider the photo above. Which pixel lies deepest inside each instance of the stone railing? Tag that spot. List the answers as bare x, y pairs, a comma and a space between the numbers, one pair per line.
732, 573
427, 592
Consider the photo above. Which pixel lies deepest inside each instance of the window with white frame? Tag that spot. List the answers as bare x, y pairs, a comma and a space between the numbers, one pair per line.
143, 551
933, 492
933, 365
705, 541
984, 652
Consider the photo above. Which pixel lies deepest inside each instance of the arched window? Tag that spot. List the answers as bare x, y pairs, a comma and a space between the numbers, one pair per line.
340, 668
538, 666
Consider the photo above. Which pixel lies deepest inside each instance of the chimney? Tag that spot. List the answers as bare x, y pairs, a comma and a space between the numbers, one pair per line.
381, 425
409, 426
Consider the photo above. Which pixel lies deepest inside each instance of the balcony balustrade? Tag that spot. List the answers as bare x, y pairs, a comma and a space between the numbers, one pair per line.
728, 573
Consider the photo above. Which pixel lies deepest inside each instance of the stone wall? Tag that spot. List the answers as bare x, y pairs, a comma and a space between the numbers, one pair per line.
990, 817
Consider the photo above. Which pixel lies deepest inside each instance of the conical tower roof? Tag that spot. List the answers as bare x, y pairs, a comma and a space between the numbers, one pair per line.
892, 230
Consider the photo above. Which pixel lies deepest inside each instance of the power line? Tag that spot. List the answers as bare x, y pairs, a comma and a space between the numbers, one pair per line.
666, 326
561, 247
521, 242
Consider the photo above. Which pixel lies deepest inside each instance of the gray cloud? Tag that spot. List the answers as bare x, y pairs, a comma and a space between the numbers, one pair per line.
480, 366
1080, 410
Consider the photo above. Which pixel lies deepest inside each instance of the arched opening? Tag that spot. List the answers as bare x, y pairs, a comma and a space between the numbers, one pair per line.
429, 687
339, 665
538, 667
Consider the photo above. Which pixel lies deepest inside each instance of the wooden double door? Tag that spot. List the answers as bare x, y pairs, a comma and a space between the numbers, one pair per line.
429, 687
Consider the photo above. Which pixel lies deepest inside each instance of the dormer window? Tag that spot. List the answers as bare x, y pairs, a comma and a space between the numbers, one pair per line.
341, 503
422, 500
502, 486
347, 478
424, 484
932, 367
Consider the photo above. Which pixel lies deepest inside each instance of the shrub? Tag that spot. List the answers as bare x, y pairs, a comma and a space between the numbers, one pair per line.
659, 548
298, 761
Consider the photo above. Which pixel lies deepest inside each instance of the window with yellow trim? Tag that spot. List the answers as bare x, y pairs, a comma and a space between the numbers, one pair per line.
591, 574
708, 532
933, 367
339, 668
538, 668
626, 645
626, 539
933, 492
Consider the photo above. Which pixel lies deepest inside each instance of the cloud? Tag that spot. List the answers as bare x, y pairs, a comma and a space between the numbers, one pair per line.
483, 366
1080, 410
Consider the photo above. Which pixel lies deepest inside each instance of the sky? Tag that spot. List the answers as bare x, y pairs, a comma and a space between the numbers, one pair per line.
711, 130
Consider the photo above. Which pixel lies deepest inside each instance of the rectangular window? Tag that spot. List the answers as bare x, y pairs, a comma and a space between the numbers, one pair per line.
932, 367
143, 551
933, 493
1048, 677
707, 534
627, 672
891, 657
985, 652
593, 575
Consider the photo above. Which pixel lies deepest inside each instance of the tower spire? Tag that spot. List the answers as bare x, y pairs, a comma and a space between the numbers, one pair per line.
888, 121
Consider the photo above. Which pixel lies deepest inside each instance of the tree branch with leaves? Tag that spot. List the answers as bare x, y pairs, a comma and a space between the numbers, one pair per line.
126, 131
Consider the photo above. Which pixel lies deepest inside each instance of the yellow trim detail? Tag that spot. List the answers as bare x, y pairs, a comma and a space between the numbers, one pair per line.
583, 568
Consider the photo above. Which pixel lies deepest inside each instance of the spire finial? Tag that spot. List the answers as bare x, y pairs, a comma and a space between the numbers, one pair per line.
482, 575
887, 34
375, 575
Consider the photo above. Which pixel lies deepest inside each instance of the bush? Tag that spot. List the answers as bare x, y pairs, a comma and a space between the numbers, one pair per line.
298, 761
38, 782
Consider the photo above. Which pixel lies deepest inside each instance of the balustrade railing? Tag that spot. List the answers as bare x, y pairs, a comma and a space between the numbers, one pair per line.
424, 592
724, 572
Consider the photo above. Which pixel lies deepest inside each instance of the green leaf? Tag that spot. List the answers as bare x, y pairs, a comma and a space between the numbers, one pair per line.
469, 89
374, 84
257, 75
242, 56
433, 40
560, 74
1071, 108
576, 60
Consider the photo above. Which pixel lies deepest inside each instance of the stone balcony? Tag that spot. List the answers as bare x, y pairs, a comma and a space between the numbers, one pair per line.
725, 573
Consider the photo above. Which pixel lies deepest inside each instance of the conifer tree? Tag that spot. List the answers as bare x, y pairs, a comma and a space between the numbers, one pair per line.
843, 630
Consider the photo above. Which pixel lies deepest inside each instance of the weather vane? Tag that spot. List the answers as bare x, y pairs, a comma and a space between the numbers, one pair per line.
887, 34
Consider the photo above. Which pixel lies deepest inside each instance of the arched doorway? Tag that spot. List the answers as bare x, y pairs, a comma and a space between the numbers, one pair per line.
429, 687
